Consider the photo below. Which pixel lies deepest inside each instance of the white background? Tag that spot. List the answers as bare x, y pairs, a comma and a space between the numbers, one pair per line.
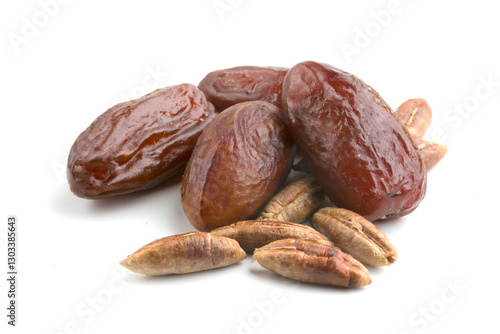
81, 57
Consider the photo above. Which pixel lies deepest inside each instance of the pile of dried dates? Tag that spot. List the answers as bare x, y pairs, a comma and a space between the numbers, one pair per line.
236, 137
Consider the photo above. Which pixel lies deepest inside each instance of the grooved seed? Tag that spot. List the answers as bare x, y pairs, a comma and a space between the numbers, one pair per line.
296, 202
252, 234
416, 115
355, 235
313, 262
184, 253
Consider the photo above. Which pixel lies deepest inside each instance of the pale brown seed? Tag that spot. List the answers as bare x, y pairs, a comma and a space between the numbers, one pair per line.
431, 151
296, 202
355, 235
416, 115
184, 253
252, 234
313, 262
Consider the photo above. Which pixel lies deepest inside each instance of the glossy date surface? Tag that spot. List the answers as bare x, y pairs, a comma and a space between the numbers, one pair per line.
227, 87
363, 156
137, 144
241, 159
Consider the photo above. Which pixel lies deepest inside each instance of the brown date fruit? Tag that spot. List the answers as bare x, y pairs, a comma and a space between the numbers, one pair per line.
137, 144
241, 159
362, 155
227, 87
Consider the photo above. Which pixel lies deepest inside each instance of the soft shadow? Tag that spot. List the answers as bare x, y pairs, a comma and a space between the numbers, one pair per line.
115, 202
68, 204
263, 273
189, 278
375, 270
391, 225
289, 284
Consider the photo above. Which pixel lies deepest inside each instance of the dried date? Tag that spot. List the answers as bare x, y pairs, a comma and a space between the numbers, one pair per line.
136, 145
230, 86
241, 159
363, 156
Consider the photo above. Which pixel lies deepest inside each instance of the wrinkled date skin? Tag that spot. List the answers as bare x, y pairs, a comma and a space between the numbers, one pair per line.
228, 87
363, 156
241, 159
137, 144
